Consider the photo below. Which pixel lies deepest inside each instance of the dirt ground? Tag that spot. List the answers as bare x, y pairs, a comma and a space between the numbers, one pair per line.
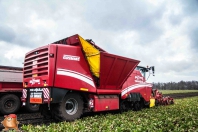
182, 95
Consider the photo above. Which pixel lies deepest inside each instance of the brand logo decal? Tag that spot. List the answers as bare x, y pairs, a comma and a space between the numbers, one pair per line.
36, 90
70, 57
34, 81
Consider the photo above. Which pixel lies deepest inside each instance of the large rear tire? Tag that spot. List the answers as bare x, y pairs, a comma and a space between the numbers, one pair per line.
9, 103
70, 108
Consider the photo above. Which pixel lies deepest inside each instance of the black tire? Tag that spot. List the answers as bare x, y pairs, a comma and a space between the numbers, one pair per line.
146, 104
32, 107
45, 112
9, 103
137, 106
70, 108
124, 106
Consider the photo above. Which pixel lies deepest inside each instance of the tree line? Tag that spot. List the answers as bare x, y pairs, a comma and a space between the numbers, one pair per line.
182, 85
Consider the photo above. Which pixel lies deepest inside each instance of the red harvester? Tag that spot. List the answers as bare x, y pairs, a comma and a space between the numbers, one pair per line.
72, 76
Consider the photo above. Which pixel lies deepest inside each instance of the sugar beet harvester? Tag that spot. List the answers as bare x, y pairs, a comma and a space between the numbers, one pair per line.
73, 76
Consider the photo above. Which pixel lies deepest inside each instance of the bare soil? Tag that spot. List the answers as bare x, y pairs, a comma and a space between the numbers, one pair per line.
182, 95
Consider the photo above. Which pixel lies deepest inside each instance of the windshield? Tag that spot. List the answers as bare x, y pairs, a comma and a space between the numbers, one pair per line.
142, 70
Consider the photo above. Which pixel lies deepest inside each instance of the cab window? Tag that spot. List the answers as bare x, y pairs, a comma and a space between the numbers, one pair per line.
142, 70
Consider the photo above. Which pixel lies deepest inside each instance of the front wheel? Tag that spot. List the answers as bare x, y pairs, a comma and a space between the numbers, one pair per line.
70, 108
124, 106
9, 103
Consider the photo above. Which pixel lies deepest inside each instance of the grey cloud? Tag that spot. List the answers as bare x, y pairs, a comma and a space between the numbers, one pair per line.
173, 68
126, 16
6, 34
23, 37
14, 62
194, 39
20, 16
149, 33
189, 6
17, 15
176, 19
190, 13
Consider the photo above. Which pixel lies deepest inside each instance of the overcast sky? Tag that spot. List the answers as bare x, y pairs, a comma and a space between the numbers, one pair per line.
161, 33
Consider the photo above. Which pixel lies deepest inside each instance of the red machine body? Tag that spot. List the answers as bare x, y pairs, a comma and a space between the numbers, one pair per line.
137, 83
58, 75
53, 71
11, 87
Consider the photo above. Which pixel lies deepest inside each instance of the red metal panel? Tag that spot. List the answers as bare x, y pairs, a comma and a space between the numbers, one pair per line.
114, 70
39, 67
11, 87
108, 91
144, 91
136, 83
73, 40
11, 79
72, 70
106, 102
0, 86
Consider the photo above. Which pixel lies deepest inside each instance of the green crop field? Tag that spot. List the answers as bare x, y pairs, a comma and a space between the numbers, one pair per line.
177, 91
180, 117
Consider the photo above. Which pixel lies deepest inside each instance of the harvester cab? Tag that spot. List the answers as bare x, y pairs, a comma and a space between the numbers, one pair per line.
157, 97
143, 71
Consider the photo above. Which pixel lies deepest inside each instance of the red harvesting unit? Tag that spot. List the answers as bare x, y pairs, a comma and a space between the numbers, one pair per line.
73, 76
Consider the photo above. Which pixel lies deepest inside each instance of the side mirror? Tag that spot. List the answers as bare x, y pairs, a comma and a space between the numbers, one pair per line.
153, 70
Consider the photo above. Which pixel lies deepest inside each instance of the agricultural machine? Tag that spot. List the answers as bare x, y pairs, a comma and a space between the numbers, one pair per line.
72, 76
11, 90
160, 99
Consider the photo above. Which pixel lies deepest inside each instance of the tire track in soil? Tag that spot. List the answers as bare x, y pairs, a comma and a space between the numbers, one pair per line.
25, 118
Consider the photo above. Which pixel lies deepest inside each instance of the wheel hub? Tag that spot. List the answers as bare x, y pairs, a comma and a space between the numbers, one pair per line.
9, 104
71, 106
